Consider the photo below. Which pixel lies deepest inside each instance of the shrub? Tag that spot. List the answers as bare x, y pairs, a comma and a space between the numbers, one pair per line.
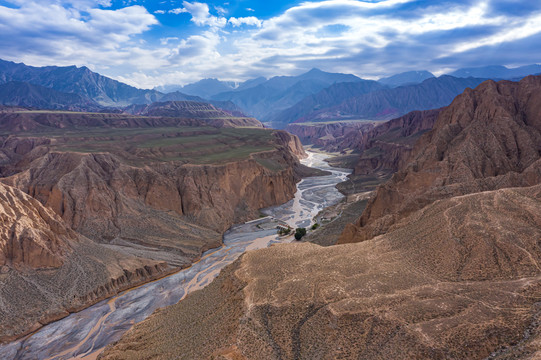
315, 226
299, 233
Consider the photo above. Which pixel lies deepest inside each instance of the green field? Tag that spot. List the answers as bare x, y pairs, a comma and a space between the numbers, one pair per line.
198, 145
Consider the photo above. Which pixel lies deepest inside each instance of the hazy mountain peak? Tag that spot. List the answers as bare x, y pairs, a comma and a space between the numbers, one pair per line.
498, 71
406, 78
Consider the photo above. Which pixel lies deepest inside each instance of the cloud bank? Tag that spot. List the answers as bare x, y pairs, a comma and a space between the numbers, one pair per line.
369, 39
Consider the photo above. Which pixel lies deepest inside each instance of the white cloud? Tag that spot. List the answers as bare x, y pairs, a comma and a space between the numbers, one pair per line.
369, 39
250, 9
178, 11
165, 41
54, 35
250, 20
220, 10
200, 14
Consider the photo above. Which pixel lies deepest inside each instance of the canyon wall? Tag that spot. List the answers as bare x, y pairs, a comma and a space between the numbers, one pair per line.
329, 136
388, 146
488, 138
105, 198
47, 270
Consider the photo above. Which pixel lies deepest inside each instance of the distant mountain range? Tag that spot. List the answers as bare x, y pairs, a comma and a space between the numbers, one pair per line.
16, 93
78, 80
323, 99
281, 92
406, 78
389, 103
312, 96
498, 72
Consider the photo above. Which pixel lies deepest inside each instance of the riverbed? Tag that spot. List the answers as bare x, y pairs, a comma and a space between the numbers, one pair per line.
85, 334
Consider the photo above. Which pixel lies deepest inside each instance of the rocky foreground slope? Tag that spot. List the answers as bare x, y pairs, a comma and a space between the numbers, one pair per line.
429, 289
48, 270
448, 269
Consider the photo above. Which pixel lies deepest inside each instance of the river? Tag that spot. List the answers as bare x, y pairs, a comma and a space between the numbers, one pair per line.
85, 334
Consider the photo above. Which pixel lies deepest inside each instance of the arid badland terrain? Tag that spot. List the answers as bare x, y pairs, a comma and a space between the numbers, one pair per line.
442, 264
93, 204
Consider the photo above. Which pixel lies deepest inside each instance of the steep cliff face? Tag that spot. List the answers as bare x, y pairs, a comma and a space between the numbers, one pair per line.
456, 280
135, 201
109, 201
31, 236
329, 136
47, 270
388, 146
488, 138
291, 142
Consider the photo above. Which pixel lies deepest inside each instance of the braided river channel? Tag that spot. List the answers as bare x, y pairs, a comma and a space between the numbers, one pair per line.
85, 334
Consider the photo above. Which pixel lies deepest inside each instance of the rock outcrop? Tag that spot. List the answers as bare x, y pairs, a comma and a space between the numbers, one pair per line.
31, 236
48, 270
488, 138
458, 279
329, 136
388, 146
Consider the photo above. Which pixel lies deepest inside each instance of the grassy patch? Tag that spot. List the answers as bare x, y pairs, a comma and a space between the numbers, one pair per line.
200, 145
270, 164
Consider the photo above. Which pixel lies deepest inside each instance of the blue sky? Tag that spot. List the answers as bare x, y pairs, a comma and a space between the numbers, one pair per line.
150, 43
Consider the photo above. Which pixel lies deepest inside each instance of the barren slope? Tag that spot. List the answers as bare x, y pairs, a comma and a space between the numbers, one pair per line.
458, 279
488, 138
48, 270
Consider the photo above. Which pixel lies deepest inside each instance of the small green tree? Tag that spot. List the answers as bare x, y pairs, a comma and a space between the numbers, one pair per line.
299, 233
315, 226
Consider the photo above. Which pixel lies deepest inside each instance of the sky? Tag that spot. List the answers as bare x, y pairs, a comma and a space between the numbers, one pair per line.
148, 43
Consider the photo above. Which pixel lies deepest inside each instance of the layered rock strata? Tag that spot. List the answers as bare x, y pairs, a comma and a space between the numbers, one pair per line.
47, 270
488, 138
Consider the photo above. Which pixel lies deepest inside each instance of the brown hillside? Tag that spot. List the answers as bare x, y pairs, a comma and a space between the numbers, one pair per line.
47, 270
458, 279
488, 138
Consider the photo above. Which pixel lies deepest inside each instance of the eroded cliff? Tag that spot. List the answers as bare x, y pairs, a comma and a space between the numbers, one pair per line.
488, 138
48, 270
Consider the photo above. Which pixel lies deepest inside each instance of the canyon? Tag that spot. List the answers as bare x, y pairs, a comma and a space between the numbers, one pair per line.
138, 196
443, 263
85, 334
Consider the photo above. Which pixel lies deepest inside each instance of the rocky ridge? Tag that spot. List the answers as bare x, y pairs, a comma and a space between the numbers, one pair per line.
414, 292
488, 138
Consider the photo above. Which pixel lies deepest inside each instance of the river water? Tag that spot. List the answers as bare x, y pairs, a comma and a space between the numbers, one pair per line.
85, 334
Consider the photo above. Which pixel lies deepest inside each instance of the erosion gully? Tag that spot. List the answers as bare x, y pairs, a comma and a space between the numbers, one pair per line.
85, 334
